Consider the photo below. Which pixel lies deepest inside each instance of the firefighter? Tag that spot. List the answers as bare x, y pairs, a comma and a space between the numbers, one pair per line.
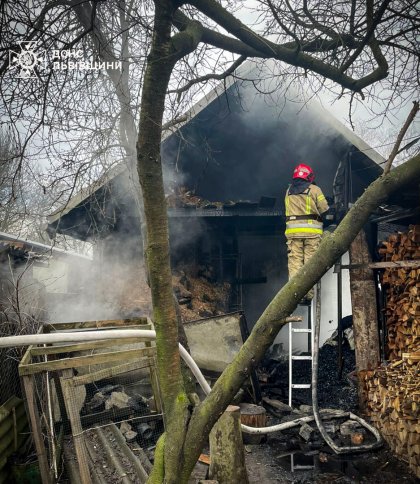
305, 204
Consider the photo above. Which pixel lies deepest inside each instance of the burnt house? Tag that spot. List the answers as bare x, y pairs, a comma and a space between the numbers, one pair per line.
35, 279
226, 171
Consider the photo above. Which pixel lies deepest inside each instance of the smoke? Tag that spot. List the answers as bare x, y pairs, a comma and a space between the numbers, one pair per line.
113, 284
242, 146
245, 144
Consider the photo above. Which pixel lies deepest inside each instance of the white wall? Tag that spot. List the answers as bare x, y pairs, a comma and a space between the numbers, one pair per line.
329, 303
53, 274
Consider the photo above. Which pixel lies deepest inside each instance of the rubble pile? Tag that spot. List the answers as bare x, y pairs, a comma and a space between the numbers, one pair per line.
144, 423
332, 391
113, 396
306, 436
198, 294
181, 197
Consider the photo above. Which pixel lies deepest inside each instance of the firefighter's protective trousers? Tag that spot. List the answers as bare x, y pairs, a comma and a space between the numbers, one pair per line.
303, 234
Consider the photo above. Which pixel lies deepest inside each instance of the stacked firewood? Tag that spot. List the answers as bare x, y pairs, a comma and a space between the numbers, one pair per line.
403, 292
393, 403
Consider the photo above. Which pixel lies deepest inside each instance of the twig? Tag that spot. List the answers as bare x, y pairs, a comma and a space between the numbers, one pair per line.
401, 134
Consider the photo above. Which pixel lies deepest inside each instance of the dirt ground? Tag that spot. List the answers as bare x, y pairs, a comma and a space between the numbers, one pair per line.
266, 464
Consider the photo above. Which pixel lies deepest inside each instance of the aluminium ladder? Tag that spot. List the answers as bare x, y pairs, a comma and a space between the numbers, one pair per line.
309, 331
293, 357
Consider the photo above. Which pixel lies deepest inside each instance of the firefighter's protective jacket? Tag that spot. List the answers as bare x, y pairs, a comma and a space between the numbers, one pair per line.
311, 203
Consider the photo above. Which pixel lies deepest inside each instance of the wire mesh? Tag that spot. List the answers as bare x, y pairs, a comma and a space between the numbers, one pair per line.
115, 421
101, 419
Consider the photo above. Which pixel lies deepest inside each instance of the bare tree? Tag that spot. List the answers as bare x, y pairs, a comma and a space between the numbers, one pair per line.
360, 48
331, 52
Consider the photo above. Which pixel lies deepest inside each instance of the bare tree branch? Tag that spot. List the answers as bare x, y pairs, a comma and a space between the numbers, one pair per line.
218, 77
401, 134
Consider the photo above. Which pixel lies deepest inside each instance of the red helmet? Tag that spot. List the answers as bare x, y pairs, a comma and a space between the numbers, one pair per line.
305, 172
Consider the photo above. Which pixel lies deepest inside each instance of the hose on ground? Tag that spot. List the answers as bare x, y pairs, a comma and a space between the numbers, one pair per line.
77, 336
314, 385
251, 430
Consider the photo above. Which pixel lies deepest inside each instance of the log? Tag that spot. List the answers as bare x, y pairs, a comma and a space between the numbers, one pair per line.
227, 460
253, 416
402, 288
393, 402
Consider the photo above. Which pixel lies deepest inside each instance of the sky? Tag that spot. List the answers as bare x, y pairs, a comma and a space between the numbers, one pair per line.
377, 131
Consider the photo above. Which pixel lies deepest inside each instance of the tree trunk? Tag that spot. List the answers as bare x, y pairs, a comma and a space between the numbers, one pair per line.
175, 401
365, 316
284, 303
227, 460
185, 434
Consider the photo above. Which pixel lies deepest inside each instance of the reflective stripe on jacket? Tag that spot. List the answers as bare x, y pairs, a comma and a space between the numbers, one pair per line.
311, 202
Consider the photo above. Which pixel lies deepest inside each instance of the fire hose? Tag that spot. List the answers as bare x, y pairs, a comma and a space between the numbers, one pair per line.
77, 336
314, 385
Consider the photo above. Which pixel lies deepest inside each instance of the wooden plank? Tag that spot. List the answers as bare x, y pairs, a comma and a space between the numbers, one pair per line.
87, 360
60, 399
415, 356
155, 386
35, 418
396, 264
26, 357
96, 324
111, 372
413, 264
76, 429
71, 348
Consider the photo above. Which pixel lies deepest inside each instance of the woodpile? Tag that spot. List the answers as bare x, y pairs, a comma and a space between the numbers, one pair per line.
403, 292
392, 391
393, 403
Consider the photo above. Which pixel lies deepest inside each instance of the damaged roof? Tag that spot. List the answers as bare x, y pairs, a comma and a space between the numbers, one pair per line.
28, 249
246, 159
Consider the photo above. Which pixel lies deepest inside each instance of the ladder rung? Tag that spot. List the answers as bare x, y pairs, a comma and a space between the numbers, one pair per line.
302, 330
301, 357
301, 385
301, 468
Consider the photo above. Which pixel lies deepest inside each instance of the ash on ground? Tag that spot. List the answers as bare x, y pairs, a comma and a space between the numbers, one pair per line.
333, 391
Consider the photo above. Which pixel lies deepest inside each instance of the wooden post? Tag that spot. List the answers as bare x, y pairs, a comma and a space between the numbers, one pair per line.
76, 429
253, 416
365, 320
227, 460
35, 418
